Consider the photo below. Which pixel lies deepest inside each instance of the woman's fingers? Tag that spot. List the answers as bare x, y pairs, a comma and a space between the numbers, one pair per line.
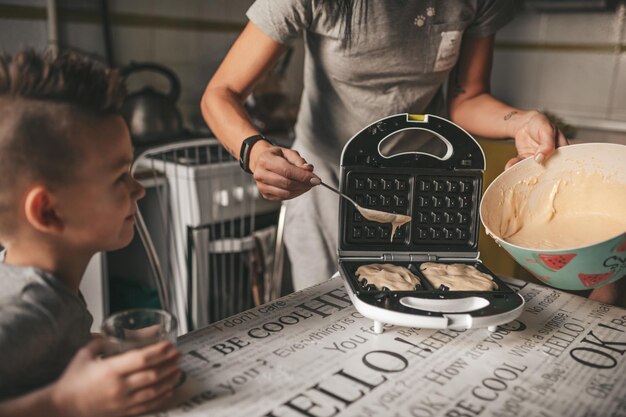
284, 183
512, 162
288, 163
270, 192
282, 174
517, 159
271, 186
547, 146
538, 136
294, 158
605, 294
546, 141
282, 167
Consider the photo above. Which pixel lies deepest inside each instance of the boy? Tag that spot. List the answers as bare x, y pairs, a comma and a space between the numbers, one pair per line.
65, 193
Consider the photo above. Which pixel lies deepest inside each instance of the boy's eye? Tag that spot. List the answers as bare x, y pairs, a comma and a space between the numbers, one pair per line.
123, 177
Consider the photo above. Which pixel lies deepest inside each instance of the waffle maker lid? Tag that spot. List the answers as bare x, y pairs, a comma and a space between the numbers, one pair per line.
440, 193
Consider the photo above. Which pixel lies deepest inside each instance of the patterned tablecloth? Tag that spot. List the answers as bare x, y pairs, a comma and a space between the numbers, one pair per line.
312, 354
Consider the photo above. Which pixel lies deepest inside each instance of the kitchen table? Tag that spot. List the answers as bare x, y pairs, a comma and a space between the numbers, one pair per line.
312, 354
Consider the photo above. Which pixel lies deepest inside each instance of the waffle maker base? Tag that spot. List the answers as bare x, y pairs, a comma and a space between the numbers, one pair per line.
442, 195
429, 307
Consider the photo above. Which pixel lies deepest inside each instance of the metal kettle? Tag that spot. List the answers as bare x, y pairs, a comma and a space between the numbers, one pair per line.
152, 115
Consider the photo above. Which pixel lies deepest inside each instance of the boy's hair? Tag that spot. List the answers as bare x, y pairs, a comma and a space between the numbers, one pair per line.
42, 101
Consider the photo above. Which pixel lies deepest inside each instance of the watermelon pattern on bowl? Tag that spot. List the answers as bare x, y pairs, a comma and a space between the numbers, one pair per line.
575, 269
591, 280
620, 247
555, 262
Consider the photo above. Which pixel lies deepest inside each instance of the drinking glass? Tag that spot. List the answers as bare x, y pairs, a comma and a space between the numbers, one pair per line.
136, 328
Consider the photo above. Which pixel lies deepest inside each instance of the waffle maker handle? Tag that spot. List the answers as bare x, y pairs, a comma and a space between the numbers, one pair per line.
364, 147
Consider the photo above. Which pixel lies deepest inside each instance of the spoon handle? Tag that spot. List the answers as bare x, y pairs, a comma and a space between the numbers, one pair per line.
339, 192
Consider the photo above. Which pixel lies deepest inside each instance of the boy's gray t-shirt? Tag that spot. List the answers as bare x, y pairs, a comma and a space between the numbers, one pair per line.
400, 58
42, 325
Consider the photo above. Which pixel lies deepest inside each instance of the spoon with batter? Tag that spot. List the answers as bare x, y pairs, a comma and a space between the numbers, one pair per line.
396, 220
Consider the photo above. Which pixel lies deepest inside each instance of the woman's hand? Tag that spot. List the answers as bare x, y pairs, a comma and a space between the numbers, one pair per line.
280, 173
535, 137
613, 293
134, 382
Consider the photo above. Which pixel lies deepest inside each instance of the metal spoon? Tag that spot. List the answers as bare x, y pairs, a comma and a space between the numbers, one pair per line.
341, 194
396, 220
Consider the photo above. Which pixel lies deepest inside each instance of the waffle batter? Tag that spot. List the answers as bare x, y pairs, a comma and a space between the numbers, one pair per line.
393, 277
578, 210
457, 277
396, 220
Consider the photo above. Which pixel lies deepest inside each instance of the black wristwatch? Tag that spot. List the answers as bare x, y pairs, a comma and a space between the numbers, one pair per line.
246, 147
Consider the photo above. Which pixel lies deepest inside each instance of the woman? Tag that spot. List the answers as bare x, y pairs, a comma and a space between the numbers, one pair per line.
364, 60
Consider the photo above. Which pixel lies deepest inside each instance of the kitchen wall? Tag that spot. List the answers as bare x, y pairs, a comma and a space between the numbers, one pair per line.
571, 63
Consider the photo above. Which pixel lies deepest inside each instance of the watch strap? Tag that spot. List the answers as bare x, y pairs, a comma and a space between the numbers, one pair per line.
246, 148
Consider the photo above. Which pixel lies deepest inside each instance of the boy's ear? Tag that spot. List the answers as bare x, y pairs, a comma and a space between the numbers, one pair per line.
40, 211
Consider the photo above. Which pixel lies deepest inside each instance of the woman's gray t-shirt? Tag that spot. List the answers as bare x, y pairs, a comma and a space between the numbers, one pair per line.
397, 63
400, 57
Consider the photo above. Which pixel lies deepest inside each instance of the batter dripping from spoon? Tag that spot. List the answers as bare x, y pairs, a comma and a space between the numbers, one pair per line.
396, 220
378, 216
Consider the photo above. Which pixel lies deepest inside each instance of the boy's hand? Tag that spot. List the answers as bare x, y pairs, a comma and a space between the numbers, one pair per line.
134, 382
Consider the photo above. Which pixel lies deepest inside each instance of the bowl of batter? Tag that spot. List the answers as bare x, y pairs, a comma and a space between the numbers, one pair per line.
564, 220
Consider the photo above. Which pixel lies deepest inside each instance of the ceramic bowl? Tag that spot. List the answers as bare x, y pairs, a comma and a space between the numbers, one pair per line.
571, 268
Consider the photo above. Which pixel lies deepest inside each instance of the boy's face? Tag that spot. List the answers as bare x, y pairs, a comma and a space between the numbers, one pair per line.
98, 208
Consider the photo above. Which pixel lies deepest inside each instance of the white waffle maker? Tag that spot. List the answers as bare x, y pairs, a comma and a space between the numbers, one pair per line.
442, 196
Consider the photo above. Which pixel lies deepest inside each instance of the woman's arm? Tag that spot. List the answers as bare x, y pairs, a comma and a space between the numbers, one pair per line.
473, 107
280, 173
250, 57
